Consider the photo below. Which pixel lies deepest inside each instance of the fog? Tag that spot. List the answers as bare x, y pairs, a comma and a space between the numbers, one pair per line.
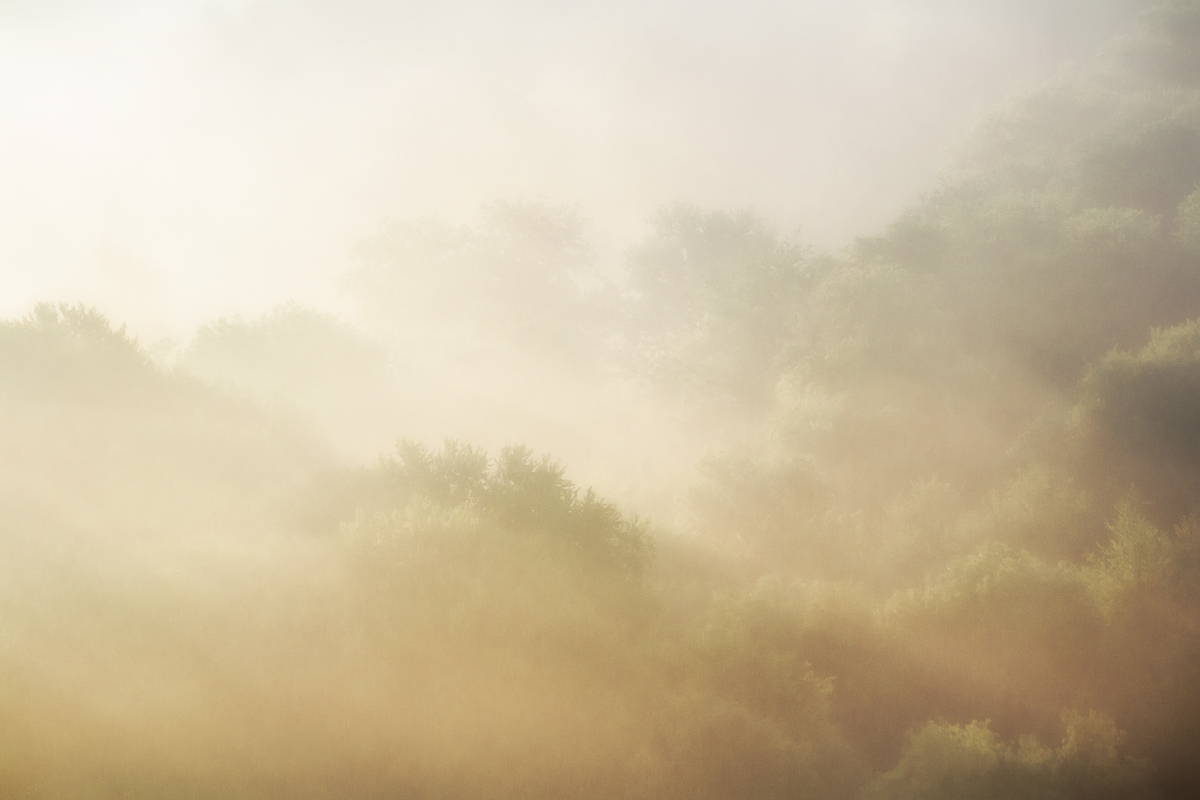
619, 401
170, 163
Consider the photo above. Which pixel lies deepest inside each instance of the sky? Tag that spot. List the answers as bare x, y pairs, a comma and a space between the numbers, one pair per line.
172, 162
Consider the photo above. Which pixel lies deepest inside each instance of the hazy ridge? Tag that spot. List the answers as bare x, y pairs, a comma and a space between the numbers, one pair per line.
917, 518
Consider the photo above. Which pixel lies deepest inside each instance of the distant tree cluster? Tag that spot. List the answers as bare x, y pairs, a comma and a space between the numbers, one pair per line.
945, 543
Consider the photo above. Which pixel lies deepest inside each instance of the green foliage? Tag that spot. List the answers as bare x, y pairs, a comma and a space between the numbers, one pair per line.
97, 437
868, 321
527, 498
1137, 560
455, 475
753, 646
922, 527
915, 438
772, 512
948, 761
1151, 168
1187, 222
1041, 510
62, 350
714, 749
999, 592
290, 352
747, 716
1149, 400
1135, 426
712, 304
1050, 243
1169, 43
1008, 262
504, 569
310, 365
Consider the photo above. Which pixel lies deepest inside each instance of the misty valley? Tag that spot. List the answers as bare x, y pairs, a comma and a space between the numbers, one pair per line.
741, 517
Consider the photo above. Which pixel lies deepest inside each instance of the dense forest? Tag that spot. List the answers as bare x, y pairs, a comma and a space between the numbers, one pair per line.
915, 519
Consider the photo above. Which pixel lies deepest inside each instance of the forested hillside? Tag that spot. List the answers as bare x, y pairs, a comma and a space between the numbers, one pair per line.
915, 519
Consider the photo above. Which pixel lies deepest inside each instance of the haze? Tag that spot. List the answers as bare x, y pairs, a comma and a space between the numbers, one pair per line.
170, 162
641, 401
